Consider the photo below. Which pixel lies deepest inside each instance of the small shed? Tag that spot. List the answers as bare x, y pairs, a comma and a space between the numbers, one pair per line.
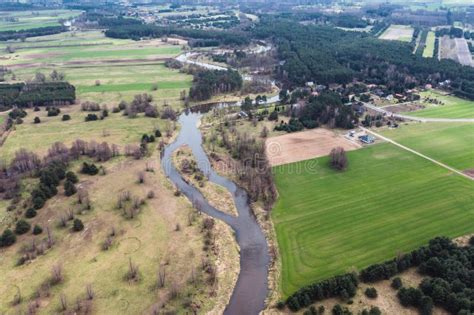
368, 139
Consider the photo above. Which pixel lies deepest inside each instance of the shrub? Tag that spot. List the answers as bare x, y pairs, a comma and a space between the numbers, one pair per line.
396, 283
66, 117
157, 133
30, 213
340, 310
371, 293
70, 176
89, 169
471, 241
122, 105
77, 225
37, 120
37, 230
69, 188
410, 296
53, 111
91, 117
22, 227
374, 310
8, 238
273, 116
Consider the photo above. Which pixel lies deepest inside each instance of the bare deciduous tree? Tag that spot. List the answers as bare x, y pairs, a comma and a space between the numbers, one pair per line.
132, 273
56, 274
89, 292
338, 158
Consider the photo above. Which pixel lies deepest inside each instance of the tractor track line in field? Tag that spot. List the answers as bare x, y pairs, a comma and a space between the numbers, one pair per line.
417, 153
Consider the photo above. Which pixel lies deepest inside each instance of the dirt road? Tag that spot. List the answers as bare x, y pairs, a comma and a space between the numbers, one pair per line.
417, 153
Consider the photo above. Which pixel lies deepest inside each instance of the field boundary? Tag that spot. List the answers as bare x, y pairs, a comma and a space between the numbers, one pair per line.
414, 118
417, 153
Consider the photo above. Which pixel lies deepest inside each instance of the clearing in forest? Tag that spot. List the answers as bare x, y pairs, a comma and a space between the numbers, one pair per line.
388, 201
402, 33
299, 146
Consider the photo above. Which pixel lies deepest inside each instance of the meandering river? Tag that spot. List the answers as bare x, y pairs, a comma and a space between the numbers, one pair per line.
251, 288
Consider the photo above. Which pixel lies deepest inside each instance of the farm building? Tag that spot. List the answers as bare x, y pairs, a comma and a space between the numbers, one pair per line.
368, 139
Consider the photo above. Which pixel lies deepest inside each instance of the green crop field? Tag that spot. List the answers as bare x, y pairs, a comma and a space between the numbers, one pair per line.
388, 201
449, 143
454, 107
34, 19
429, 48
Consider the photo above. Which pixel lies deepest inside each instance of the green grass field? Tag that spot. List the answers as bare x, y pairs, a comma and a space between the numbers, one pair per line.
34, 19
429, 48
82, 57
387, 201
454, 107
449, 143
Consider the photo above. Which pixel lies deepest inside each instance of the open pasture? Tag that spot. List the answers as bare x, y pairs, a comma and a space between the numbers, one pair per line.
439, 105
402, 33
388, 201
102, 70
449, 143
23, 20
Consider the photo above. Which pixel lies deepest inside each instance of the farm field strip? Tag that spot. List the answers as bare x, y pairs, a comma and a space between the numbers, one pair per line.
429, 47
387, 201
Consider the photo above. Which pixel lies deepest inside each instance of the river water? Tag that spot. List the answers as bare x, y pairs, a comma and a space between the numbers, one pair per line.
251, 288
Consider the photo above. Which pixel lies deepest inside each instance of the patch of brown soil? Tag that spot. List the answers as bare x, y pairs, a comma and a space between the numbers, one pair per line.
43, 56
85, 62
299, 146
469, 172
410, 107
463, 240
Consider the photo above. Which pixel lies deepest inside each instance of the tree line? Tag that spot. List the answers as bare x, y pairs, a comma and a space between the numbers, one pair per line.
33, 32
448, 271
36, 94
199, 37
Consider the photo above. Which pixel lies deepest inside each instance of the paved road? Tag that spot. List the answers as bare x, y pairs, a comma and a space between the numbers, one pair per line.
421, 119
417, 153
